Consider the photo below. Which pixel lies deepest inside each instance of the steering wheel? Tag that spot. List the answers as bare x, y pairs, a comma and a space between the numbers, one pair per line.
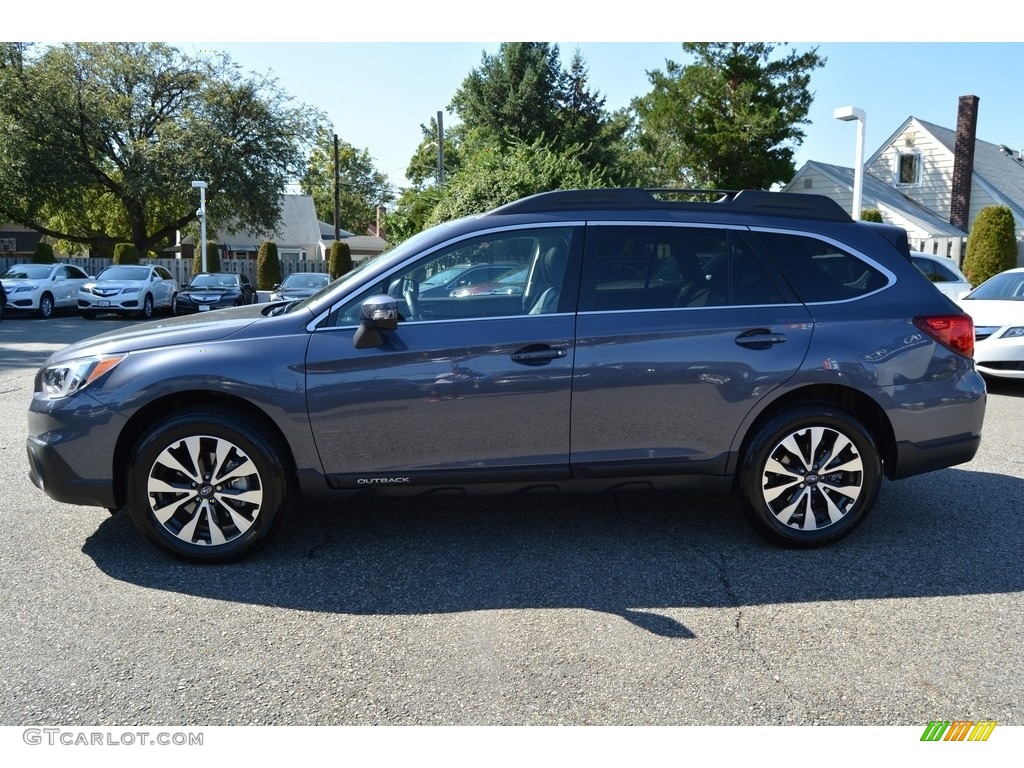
411, 294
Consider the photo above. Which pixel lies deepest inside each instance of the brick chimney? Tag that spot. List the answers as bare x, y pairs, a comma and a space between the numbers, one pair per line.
963, 162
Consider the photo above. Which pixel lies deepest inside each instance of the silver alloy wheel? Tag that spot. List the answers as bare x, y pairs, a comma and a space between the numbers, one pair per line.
813, 477
204, 490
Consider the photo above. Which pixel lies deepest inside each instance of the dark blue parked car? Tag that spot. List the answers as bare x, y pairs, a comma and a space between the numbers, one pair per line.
764, 343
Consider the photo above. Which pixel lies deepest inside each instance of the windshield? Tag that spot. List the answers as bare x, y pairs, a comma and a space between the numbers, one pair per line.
214, 281
124, 273
27, 272
1009, 286
306, 280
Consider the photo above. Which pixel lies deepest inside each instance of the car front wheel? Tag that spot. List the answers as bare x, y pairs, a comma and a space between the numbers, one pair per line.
147, 307
46, 306
809, 477
206, 487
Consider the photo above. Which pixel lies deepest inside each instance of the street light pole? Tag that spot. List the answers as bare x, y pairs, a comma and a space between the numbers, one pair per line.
855, 113
201, 213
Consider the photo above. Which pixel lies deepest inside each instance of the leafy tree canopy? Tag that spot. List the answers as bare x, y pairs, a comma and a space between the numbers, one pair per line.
99, 142
731, 119
361, 189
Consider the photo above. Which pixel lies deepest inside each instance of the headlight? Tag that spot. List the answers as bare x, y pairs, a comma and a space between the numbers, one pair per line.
23, 288
62, 379
131, 289
1013, 333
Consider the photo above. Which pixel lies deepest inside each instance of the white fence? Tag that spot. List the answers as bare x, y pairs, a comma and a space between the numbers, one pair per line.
182, 268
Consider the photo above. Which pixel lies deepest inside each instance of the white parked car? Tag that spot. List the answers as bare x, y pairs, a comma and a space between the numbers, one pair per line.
42, 288
997, 308
943, 272
129, 289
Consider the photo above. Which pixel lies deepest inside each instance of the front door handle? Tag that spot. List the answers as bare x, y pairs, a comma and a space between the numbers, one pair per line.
538, 354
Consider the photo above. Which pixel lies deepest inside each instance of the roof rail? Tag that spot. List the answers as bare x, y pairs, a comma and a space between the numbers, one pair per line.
755, 201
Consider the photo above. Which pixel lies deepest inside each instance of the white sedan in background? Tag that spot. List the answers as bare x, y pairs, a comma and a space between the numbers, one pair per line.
42, 288
129, 289
997, 309
943, 272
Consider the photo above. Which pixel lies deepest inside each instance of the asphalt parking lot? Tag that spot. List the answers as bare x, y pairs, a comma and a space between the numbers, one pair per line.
643, 609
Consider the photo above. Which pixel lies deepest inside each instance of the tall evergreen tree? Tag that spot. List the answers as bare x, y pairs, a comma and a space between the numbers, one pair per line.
730, 119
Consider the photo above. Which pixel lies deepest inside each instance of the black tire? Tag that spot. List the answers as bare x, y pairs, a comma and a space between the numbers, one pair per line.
88, 314
809, 477
175, 501
46, 307
147, 307
174, 303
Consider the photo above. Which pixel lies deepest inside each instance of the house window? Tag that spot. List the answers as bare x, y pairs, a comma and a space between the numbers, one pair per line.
908, 168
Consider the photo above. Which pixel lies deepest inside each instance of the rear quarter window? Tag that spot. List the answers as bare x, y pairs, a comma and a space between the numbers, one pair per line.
819, 270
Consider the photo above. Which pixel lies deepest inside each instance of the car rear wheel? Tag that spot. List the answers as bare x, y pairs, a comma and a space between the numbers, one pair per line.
204, 486
809, 477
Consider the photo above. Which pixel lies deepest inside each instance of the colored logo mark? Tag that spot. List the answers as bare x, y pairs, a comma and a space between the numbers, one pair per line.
958, 730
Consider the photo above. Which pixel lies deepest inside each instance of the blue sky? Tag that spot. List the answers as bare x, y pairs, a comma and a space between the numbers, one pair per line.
377, 92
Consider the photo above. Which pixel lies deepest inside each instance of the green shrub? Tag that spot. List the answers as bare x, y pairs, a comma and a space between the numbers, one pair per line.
340, 261
126, 253
212, 258
43, 253
871, 214
991, 245
268, 266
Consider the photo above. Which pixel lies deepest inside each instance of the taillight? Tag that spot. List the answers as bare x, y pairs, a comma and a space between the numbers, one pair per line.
953, 331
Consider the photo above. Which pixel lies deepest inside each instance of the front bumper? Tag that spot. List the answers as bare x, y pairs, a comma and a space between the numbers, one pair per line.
131, 302
187, 304
996, 356
70, 445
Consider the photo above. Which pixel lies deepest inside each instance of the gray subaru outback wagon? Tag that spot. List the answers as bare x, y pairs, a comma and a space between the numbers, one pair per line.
762, 343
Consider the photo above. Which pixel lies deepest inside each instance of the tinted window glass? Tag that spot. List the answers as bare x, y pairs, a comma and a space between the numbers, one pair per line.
653, 267
514, 272
820, 271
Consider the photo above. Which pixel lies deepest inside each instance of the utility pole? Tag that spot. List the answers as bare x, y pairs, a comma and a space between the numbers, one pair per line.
337, 193
440, 150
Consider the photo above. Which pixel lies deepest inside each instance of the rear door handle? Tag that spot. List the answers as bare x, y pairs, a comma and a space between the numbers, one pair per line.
538, 354
760, 338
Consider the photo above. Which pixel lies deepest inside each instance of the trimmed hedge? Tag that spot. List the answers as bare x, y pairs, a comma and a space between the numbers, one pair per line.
268, 266
339, 262
991, 245
871, 214
43, 253
212, 258
126, 253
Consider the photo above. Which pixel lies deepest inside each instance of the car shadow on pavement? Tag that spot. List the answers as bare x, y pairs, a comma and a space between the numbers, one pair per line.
638, 556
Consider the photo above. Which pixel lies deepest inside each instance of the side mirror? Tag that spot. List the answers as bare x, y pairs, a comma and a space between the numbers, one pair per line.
376, 314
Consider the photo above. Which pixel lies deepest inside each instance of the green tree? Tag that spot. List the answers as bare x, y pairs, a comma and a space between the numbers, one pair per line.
731, 119
493, 176
126, 253
514, 95
361, 189
528, 125
43, 254
991, 245
339, 262
99, 142
268, 266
